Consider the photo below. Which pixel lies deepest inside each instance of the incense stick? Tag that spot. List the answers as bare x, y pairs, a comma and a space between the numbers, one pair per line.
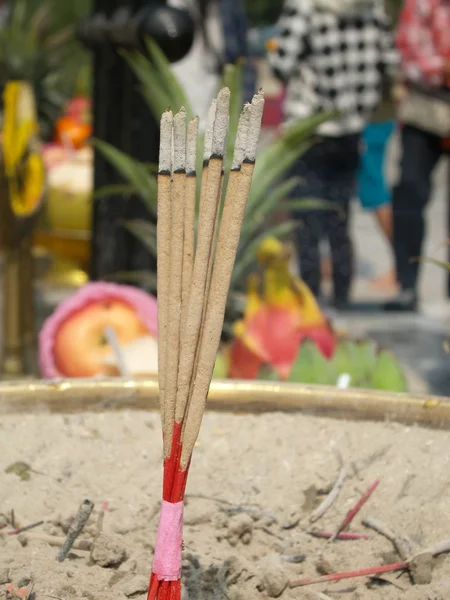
176, 273
189, 215
163, 249
229, 233
208, 212
195, 294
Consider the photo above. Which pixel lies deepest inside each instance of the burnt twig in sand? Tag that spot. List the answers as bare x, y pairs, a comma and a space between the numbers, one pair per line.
399, 543
26, 528
84, 512
355, 510
439, 548
332, 496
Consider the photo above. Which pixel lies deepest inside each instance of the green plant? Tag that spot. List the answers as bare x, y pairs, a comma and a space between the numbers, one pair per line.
367, 367
35, 48
270, 187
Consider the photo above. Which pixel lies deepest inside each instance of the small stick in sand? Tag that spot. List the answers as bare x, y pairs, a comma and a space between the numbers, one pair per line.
355, 510
53, 540
439, 548
25, 528
112, 340
83, 514
176, 275
163, 234
349, 574
331, 498
399, 544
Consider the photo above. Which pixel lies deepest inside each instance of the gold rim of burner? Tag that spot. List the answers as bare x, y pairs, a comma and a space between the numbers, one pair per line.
74, 396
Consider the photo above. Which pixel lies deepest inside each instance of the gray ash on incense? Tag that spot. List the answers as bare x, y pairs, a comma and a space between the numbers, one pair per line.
191, 147
241, 138
179, 146
221, 124
209, 132
254, 129
165, 145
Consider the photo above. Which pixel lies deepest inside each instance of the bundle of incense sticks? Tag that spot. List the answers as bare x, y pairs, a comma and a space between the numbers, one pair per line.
194, 274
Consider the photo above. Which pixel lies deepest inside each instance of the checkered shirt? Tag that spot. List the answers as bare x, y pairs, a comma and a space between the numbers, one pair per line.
333, 61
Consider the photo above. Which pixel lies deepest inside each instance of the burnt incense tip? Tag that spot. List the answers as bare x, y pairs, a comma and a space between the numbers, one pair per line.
179, 141
241, 137
209, 130
254, 128
221, 122
165, 148
191, 145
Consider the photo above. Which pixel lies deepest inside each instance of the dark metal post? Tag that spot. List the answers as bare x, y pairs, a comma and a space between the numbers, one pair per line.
122, 118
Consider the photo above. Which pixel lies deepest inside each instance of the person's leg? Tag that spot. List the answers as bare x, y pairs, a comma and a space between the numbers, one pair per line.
336, 226
385, 219
374, 192
342, 174
308, 247
421, 152
308, 232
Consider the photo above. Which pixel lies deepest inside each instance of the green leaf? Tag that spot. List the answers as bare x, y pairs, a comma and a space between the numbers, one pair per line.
134, 172
367, 353
305, 204
311, 367
388, 374
114, 190
145, 232
21, 469
268, 373
220, 367
247, 258
257, 214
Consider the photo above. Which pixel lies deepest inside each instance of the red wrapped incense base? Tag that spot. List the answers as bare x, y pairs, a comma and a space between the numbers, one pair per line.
166, 574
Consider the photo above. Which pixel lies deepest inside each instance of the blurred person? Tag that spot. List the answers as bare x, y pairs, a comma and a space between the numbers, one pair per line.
220, 39
424, 42
332, 56
373, 189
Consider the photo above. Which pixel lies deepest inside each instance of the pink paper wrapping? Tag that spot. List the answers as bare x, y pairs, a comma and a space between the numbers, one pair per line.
144, 304
167, 558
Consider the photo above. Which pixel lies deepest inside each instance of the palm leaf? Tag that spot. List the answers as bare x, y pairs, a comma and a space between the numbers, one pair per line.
247, 258
145, 232
257, 213
134, 172
107, 191
306, 204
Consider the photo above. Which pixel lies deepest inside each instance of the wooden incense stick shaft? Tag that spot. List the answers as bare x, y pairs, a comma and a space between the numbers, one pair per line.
236, 198
163, 229
189, 243
174, 308
191, 333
